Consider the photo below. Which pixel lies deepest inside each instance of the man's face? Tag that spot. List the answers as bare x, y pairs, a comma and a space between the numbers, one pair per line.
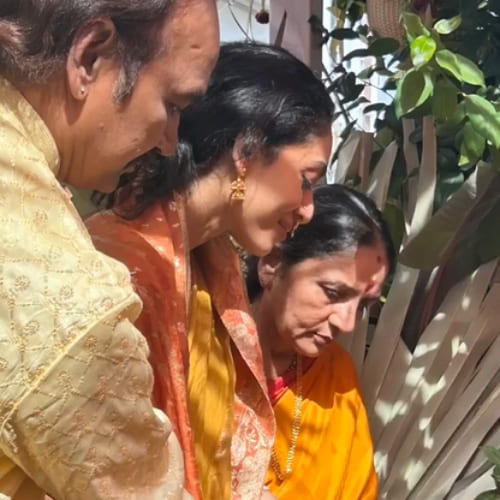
118, 133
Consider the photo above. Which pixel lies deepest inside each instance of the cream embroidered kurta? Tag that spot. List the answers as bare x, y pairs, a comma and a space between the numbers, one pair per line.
76, 420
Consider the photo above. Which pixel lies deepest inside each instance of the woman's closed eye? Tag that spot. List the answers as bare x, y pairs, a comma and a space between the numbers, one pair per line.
332, 294
307, 185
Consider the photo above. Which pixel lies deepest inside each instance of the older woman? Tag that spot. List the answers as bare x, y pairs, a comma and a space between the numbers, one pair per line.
85, 87
253, 145
308, 291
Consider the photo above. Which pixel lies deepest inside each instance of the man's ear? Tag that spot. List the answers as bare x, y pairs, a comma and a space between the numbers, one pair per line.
268, 268
93, 45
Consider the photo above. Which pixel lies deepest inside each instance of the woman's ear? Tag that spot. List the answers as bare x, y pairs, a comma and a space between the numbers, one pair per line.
93, 45
240, 156
268, 268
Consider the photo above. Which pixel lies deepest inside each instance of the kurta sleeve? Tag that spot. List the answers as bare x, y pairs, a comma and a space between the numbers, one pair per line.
86, 427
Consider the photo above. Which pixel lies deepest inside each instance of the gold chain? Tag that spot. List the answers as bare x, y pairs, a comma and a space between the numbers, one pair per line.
281, 476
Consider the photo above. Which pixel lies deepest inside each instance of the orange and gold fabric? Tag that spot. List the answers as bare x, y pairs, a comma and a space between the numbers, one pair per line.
334, 454
153, 246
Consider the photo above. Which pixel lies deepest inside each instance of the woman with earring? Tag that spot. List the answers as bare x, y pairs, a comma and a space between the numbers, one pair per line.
308, 291
250, 151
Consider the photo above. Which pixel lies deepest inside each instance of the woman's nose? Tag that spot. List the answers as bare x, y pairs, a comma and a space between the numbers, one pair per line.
345, 317
306, 209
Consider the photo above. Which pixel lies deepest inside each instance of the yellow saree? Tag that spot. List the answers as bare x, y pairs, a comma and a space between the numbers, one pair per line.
334, 456
210, 393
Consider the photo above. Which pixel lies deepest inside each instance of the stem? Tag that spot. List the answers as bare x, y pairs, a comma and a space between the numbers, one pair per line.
345, 114
235, 19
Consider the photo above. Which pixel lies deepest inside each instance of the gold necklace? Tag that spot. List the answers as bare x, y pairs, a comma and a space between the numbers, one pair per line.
297, 408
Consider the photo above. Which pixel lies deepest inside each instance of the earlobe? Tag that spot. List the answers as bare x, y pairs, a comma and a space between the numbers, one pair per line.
93, 44
268, 267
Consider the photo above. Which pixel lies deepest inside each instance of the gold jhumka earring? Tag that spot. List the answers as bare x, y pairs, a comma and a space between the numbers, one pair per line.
238, 188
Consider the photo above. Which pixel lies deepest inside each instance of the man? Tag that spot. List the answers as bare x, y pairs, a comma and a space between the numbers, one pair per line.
85, 88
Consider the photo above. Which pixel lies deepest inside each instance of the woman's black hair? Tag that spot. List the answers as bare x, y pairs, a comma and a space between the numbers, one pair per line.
260, 94
343, 220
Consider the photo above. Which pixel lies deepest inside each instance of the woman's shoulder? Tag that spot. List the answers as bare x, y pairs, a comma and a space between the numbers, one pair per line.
108, 224
151, 233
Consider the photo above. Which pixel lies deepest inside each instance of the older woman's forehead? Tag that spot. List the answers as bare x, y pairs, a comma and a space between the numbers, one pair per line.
348, 267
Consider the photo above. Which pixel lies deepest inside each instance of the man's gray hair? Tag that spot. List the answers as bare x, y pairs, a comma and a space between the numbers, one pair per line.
36, 35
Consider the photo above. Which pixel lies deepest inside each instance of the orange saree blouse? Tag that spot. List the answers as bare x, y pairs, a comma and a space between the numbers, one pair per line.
334, 455
223, 346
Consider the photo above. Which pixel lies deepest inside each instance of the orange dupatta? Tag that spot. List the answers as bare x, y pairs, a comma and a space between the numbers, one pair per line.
154, 248
334, 454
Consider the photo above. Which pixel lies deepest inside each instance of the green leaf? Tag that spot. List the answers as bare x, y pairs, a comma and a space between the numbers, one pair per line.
460, 67
496, 469
356, 53
414, 26
484, 118
447, 26
383, 46
472, 147
489, 495
452, 179
492, 454
347, 130
378, 106
412, 91
393, 215
422, 49
366, 73
447, 184
447, 160
435, 36
451, 124
343, 34
444, 101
